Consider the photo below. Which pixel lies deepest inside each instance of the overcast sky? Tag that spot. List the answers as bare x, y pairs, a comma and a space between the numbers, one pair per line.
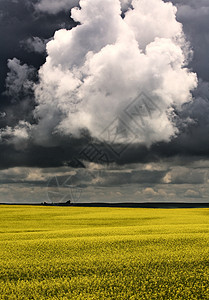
104, 101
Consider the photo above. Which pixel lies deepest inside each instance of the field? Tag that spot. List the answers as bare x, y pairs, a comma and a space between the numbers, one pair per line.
103, 253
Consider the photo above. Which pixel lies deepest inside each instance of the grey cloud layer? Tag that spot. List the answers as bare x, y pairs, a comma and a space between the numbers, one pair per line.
145, 182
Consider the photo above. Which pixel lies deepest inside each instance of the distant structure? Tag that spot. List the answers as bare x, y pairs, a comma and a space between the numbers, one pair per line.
68, 202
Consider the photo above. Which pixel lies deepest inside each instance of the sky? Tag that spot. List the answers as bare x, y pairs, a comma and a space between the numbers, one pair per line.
104, 101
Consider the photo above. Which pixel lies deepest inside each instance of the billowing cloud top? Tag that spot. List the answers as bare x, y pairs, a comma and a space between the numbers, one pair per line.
95, 70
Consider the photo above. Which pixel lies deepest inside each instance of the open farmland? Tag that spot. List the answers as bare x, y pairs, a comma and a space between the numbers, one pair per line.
103, 253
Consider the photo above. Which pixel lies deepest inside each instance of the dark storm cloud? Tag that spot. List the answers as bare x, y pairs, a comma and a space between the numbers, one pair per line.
194, 15
40, 156
22, 30
19, 23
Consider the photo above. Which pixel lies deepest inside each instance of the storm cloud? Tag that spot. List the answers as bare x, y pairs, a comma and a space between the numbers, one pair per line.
131, 78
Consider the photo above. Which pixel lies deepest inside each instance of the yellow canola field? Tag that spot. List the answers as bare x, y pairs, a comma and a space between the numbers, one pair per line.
103, 253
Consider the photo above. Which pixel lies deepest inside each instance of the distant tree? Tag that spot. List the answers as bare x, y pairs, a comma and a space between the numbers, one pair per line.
68, 202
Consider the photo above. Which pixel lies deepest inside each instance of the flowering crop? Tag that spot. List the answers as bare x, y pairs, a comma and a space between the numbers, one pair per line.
103, 253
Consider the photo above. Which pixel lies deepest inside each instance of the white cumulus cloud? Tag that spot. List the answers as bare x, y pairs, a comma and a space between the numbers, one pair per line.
18, 81
35, 44
17, 135
94, 71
